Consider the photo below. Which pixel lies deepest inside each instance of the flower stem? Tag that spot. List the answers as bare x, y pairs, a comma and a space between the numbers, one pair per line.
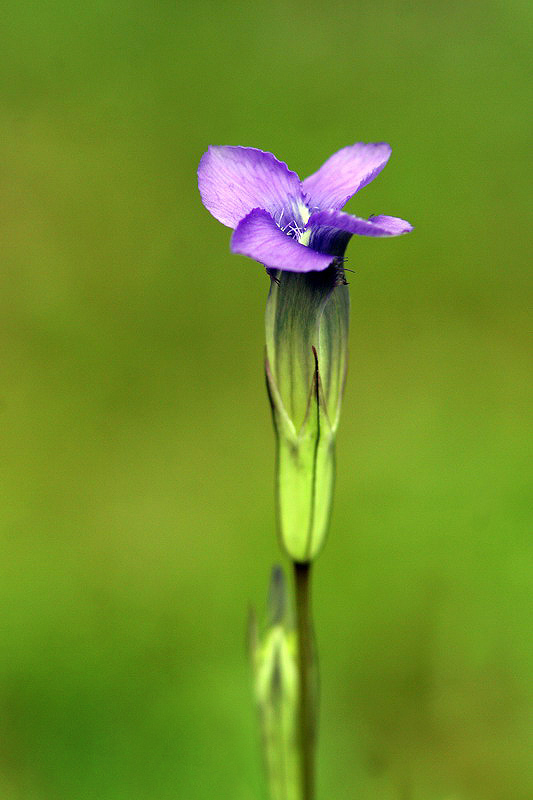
307, 679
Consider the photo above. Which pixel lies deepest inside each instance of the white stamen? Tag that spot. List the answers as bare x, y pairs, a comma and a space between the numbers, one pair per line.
296, 229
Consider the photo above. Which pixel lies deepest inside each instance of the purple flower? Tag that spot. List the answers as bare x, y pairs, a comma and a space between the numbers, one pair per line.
287, 224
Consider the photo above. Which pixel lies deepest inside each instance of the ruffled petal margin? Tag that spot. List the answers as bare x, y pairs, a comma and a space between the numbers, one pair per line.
344, 173
257, 236
234, 180
331, 230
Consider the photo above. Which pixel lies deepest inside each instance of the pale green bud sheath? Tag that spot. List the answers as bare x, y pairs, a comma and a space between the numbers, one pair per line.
307, 321
276, 682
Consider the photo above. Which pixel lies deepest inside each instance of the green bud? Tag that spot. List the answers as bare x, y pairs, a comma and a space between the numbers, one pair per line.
274, 659
307, 319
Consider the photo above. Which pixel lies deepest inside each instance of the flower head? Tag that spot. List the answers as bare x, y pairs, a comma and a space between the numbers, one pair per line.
298, 230
287, 224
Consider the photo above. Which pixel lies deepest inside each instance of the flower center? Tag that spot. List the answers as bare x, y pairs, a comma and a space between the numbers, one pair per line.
295, 227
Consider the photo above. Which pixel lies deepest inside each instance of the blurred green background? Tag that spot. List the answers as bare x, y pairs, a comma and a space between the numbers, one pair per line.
137, 451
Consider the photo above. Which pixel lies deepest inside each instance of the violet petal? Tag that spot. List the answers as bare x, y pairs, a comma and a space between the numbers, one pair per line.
394, 226
331, 230
234, 180
257, 236
344, 173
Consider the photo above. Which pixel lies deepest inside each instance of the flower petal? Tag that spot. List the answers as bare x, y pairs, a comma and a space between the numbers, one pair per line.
331, 230
344, 173
394, 226
257, 236
234, 180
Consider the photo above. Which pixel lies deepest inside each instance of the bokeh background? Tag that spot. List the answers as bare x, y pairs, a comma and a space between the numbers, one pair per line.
137, 452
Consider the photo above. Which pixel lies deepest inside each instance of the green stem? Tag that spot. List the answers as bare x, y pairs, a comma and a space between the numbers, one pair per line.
307, 683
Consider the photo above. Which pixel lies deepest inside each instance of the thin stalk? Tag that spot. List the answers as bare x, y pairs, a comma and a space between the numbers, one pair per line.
307, 679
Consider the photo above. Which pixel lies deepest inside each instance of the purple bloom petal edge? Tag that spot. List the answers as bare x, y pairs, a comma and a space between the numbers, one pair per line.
257, 236
344, 173
234, 180
380, 225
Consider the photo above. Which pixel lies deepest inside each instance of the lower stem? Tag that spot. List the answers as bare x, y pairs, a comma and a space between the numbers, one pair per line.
307, 683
